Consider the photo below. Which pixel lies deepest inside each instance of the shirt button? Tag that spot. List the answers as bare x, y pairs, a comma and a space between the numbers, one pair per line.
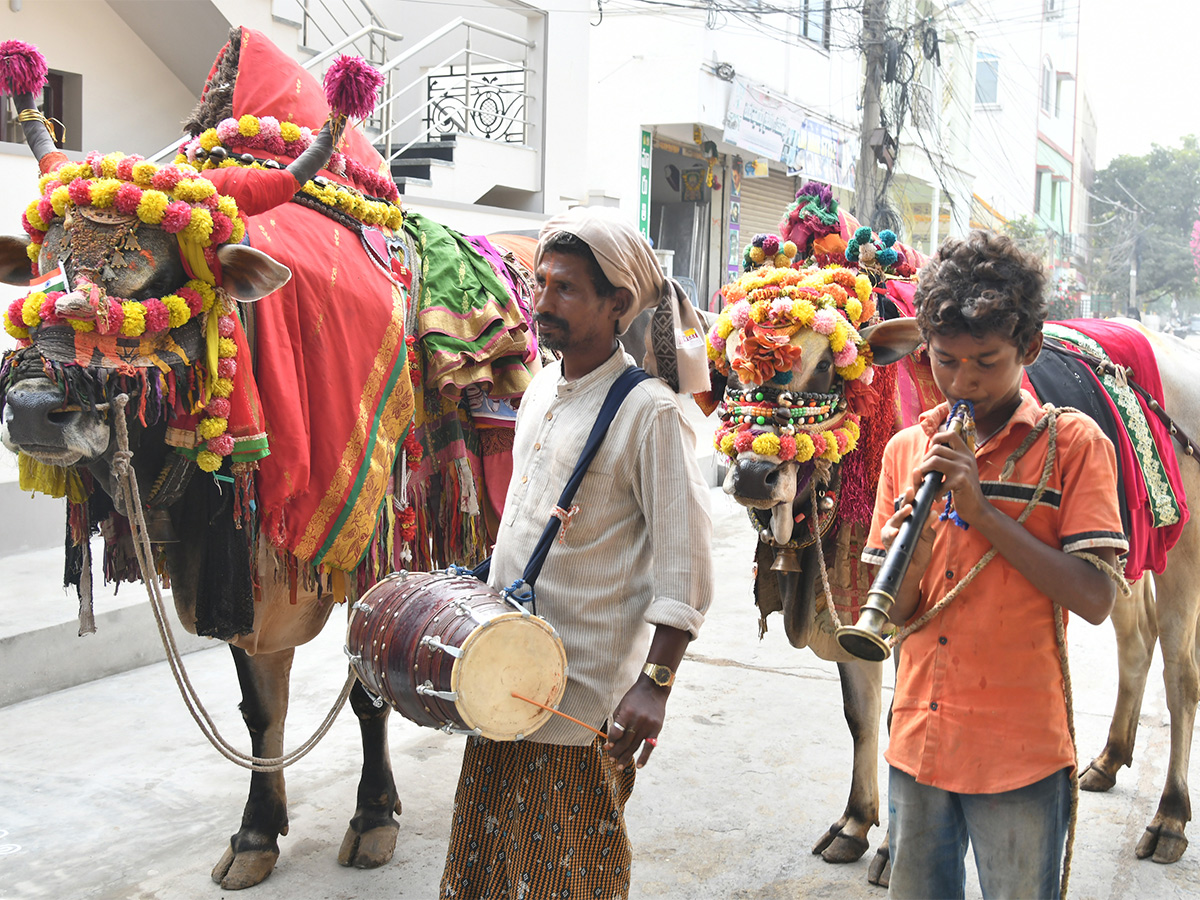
933, 706
537, 446
549, 416
949, 573
942, 640
524, 479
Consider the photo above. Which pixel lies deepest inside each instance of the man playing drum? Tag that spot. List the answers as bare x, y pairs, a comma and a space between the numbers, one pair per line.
543, 817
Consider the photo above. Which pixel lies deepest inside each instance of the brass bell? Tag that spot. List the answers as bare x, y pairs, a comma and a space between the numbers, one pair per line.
159, 528
787, 559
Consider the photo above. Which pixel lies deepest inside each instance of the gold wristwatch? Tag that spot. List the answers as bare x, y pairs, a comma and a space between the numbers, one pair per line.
660, 675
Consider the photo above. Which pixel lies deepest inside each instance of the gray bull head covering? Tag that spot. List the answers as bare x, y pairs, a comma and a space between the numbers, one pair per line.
675, 349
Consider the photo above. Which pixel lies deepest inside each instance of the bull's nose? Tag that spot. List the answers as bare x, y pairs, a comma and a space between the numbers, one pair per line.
36, 417
755, 479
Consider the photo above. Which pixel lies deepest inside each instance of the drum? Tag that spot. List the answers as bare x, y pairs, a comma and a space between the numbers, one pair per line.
447, 651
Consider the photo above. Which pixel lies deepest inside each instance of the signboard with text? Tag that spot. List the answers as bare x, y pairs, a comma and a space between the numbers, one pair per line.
644, 185
770, 126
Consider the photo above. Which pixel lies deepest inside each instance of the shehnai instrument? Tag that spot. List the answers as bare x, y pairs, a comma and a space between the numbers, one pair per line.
865, 638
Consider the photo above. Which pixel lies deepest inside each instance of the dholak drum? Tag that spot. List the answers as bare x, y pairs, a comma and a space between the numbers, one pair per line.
447, 651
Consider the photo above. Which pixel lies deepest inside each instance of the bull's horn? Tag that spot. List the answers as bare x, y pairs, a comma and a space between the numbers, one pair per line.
306, 166
37, 133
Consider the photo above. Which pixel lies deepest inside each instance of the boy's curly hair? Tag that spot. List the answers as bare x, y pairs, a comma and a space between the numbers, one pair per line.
982, 284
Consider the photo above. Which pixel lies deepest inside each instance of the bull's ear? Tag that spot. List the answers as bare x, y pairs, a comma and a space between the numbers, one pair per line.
248, 274
892, 340
14, 263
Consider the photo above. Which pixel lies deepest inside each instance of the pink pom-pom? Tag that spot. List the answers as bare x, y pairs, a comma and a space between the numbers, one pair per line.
49, 313
227, 131
743, 440
125, 167
781, 307
825, 321
176, 217
22, 68
96, 161
226, 368
740, 314
718, 342
16, 310
45, 210
770, 245
787, 447
80, 192
218, 407
337, 163
222, 228
166, 178
51, 186
28, 226
193, 300
222, 444
843, 441
867, 376
352, 86
128, 198
272, 143
158, 317
846, 355
225, 326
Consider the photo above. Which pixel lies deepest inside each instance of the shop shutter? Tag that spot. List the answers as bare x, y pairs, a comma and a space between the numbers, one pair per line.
764, 202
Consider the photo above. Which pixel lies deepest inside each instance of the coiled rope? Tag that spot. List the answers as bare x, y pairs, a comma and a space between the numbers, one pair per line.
127, 483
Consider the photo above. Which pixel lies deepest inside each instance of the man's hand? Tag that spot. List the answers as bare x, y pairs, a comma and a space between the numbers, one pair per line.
637, 722
923, 552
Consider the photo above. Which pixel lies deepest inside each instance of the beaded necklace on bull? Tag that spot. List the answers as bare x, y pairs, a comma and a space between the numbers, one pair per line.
755, 336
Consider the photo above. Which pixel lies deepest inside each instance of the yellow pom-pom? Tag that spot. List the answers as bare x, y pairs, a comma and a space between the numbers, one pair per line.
208, 461
837, 340
804, 447
854, 371
766, 445
199, 228
713, 353
59, 199
222, 387
209, 139
207, 294
108, 165
239, 231
194, 190
789, 249
226, 348
830, 451
143, 173
19, 332
290, 131
69, 172
45, 180
177, 308
31, 309
31, 213
248, 126
152, 206
727, 444
760, 310
104, 192
854, 310
227, 205
211, 427
782, 261
82, 326
134, 323
757, 255
33, 251
862, 287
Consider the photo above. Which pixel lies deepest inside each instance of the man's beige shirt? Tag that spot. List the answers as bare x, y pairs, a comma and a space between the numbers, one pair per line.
638, 551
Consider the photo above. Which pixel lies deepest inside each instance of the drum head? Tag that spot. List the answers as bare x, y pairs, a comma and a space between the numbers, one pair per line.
512, 652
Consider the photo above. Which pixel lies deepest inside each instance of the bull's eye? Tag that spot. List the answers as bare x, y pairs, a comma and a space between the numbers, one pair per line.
824, 366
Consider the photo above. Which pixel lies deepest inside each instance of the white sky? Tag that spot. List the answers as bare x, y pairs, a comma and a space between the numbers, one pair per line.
1141, 69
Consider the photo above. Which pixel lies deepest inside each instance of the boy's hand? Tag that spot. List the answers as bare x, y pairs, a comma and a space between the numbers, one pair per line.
923, 552
949, 454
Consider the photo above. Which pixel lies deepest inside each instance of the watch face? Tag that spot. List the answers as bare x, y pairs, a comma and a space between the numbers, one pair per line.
661, 675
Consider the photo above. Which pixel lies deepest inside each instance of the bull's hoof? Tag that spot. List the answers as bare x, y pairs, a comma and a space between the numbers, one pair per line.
840, 846
371, 849
1163, 845
244, 870
880, 871
1093, 778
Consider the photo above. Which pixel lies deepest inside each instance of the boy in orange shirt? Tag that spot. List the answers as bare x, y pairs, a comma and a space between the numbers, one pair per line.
980, 746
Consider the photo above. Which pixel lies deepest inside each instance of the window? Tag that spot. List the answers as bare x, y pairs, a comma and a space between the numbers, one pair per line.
1053, 8
987, 79
59, 101
814, 20
1048, 82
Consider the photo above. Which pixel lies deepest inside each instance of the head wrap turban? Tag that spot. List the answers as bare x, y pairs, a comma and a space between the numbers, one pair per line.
675, 350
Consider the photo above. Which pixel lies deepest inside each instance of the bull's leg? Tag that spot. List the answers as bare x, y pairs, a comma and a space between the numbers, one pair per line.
846, 839
370, 840
1136, 625
252, 852
1164, 839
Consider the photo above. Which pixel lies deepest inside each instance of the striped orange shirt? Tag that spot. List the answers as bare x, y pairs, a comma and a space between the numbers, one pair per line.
979, 704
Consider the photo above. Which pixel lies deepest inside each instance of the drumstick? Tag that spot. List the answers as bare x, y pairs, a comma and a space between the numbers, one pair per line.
598, 732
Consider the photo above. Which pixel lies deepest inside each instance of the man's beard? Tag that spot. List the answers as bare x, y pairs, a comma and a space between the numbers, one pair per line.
556, 340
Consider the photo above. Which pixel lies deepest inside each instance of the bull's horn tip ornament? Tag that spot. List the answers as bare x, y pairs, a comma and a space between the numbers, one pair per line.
23, 68
352, 90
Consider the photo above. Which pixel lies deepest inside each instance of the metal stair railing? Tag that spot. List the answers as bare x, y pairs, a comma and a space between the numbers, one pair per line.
331, 19
470, 60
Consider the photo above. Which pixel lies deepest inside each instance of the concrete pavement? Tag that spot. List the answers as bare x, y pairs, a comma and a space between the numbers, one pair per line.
107, 789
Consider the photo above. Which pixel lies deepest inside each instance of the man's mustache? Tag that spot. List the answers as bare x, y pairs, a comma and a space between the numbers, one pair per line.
553, 321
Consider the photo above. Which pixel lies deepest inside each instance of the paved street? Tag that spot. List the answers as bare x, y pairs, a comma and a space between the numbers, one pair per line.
108, 791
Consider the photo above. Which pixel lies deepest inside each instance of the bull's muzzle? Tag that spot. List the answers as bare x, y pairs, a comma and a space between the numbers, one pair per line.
757, 482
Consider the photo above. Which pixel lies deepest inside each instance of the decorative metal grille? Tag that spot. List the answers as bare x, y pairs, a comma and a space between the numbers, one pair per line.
490, 104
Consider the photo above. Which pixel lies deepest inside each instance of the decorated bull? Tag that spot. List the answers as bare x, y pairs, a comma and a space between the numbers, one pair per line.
803, 429
272, 444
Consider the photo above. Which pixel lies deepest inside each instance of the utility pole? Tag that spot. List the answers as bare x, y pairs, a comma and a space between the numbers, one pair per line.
874, 23
1132, 312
